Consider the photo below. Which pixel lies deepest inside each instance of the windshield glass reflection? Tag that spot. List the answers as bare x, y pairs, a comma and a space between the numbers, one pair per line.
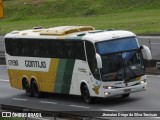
120, 59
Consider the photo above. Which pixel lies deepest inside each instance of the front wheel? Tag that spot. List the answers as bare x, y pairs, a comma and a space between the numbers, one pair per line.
125, 95
86, 95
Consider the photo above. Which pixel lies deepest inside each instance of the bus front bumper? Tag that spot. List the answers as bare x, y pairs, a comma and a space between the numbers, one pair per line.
125, 90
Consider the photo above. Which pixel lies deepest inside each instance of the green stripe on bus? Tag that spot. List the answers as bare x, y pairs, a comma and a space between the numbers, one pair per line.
64, 73
67, 78
60, 75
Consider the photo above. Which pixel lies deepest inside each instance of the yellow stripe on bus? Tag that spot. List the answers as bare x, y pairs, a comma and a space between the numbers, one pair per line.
48, 78
45, 80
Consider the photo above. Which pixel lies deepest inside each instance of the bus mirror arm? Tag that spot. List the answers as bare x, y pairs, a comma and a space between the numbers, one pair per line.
99, 61
147, 51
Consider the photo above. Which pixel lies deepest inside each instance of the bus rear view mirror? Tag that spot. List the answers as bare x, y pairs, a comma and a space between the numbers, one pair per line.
99, 61
147, 51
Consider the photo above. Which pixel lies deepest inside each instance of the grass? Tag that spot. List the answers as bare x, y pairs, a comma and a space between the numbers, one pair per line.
11, 118
141, 17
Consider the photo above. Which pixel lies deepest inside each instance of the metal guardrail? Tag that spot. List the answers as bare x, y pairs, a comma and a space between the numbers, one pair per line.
153, 42
2, 58
2, 55
54, 114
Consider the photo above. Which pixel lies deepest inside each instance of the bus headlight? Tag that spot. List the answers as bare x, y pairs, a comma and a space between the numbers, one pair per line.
109, 87
142, 82
106, 93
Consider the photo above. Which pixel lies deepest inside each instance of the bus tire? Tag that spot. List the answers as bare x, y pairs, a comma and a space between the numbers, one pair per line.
27, 88
35, 90
125, 95
86, 95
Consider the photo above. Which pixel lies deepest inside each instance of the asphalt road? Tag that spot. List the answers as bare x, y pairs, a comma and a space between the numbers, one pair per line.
143, 101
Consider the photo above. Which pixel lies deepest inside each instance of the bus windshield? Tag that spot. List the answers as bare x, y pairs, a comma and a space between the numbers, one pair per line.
121, 59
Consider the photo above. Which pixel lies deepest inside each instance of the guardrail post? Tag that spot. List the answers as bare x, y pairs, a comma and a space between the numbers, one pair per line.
54, 116
150, 46
25, 111
158, 65
86, 118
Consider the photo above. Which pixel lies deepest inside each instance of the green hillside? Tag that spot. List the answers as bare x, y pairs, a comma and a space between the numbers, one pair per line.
140, 16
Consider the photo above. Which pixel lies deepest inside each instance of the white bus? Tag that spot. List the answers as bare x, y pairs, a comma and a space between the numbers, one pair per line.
77, 60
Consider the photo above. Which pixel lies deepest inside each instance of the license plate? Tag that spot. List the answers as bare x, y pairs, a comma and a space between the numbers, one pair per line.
127, 90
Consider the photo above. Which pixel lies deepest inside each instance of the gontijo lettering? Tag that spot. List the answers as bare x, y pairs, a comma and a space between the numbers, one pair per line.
35, 64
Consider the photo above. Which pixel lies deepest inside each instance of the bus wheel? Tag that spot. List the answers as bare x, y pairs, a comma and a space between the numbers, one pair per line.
86, 95
27, 89
35, 90
125, 95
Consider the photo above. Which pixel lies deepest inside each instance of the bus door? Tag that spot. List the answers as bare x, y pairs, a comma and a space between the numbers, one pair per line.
94, 75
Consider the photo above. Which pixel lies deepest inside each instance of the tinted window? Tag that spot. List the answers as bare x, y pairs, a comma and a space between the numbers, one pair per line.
92, 60
11, 47
118, 45
46, 48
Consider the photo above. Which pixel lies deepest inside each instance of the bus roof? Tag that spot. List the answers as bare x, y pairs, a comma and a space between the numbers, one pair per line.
78, 32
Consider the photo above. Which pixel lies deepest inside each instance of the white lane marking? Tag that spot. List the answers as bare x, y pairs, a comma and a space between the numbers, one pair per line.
155, 43
153, 76
47, 102
39, 118
156, 117
2, 65
19, 99
3, 80
148, 37
107, 110
79, 106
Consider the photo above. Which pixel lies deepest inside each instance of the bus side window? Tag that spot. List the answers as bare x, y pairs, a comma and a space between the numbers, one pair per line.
9, 46
35, 51
73, 50
56, 49
20, 48
15, 48
68, 50
44, 48
25, 48
30, 48
63, 51
78, 50
92, 60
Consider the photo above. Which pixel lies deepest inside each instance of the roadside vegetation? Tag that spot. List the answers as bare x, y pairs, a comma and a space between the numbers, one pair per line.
11, 118
139, 16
